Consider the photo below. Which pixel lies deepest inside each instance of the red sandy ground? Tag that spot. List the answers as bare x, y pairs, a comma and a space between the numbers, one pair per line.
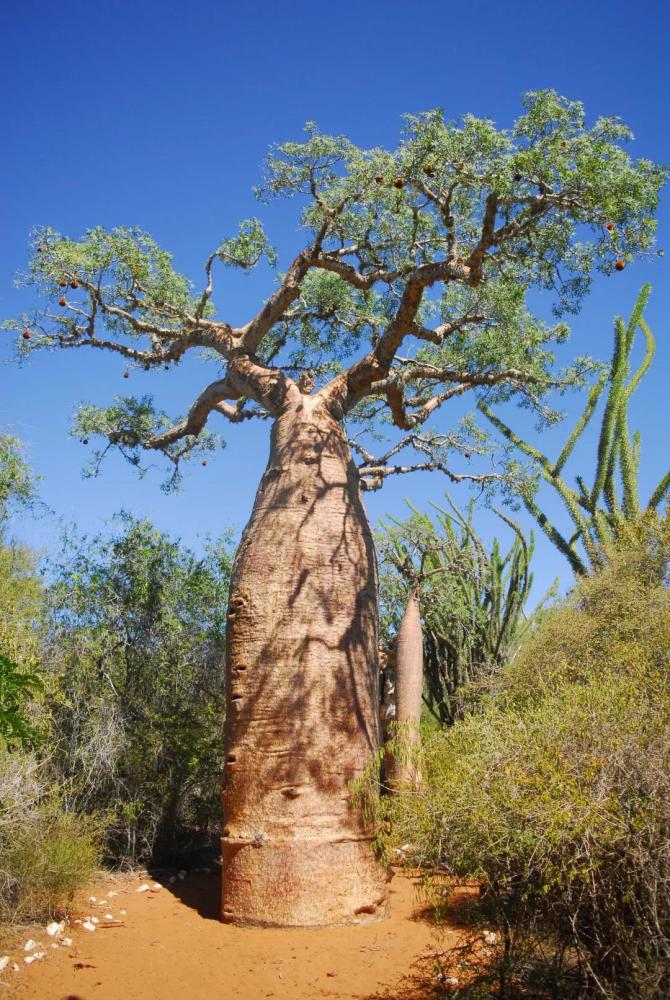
173, 947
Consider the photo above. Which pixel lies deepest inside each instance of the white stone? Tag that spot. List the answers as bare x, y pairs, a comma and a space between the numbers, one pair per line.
4, 962
143, 888
88, 926
67, 942
30, 945
55, 928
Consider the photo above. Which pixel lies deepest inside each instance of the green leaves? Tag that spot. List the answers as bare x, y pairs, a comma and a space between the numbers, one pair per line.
136, 636
122, 268
247, 248
130, 425
17, 483
16, 689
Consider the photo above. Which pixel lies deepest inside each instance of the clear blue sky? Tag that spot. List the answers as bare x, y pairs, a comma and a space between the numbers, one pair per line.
159, 115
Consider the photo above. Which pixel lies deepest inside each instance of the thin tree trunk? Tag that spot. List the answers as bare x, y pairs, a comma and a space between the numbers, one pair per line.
408, 693
302, 676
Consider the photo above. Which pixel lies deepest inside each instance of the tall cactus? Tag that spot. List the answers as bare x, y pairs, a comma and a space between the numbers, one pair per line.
607, 511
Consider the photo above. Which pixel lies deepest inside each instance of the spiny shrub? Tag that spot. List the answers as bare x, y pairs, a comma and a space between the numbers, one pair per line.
556, 798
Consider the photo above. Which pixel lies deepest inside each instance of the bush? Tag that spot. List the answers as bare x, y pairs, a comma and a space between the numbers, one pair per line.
46, 852
556, 799
135, 649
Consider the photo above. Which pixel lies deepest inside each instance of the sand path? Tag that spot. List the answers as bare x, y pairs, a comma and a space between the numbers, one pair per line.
171, 946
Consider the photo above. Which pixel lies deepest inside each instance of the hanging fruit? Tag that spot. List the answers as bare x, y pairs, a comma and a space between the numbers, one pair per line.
74, 283
204, 461
619, 264
62, 301
429, 169
84, 440
379, 180
398, 183
62, 283
609, 227
26, 334
126, 374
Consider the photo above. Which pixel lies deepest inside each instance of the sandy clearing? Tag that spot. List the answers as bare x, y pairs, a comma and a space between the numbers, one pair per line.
173, 947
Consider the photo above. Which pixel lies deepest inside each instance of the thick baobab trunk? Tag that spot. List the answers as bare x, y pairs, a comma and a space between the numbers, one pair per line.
303, 689
408, 694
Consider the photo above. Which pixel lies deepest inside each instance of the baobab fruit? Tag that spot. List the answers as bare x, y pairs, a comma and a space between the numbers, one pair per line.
84, 440
126, 374
379, 180
62, 301
40, 249
204, 461
26, 334
74, 284
62, 283
517, 177
398, 183
467, 454
619, 264
609, 226
429, 170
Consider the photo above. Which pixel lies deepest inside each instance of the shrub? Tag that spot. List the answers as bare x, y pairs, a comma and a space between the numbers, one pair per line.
557, 797
135, 641
46, 852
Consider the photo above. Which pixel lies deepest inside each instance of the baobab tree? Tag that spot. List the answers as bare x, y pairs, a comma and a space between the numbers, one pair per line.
410, 291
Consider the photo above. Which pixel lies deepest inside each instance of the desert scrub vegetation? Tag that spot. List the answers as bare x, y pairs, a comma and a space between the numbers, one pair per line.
556, 797
111, 702
134, 645
47, 851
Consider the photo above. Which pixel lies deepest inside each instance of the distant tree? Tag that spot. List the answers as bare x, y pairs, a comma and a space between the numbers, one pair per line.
20, 604
135, 644
410, 291
604, 512
17, 482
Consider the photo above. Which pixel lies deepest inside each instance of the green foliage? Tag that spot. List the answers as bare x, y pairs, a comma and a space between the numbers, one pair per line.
16, 689
556, 798
247, 248
127, 425
46, 851
549, 149
17, 484
463, 216
472, 601
135, 643
607, 511
21, 601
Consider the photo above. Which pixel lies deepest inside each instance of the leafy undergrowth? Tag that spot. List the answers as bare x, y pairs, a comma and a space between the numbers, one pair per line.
555, 798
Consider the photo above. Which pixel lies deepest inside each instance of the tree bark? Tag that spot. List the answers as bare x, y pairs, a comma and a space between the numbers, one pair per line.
303, 677
408, 695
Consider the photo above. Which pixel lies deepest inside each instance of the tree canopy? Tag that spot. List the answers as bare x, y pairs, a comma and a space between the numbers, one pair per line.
411, 288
